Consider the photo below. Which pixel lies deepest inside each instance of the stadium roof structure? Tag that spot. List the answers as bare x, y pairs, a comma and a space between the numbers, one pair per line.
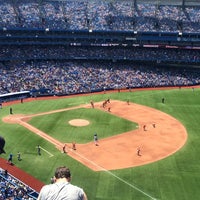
97, 38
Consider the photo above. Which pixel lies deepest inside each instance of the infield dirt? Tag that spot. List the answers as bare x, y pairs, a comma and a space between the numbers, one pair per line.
158, 136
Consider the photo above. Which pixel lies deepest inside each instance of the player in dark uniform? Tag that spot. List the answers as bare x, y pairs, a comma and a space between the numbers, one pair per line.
96, 139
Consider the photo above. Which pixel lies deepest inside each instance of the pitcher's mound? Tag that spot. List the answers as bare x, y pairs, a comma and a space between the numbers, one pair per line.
79, 122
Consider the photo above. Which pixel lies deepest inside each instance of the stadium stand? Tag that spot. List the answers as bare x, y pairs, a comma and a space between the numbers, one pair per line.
67, 38
100, 15
59, 78
12, 188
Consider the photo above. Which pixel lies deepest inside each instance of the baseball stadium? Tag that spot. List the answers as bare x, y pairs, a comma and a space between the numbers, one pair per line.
108, 88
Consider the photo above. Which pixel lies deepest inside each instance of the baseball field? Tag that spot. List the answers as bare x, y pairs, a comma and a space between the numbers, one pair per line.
167, 134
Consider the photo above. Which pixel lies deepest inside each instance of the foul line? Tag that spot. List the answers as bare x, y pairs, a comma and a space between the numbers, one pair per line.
50, 155
122, 180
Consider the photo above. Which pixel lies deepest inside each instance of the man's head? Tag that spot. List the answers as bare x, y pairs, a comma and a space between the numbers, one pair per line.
62, 172
2, 144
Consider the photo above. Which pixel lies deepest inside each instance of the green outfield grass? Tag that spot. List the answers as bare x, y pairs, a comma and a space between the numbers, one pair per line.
176, 177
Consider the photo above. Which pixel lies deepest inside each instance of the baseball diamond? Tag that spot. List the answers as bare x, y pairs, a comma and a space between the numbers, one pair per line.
156, 142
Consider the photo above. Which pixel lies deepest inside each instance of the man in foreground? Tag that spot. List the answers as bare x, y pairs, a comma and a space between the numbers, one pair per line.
62, 188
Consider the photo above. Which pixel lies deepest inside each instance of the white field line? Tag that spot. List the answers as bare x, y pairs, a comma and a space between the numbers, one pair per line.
50, 155
112, 174
51, 112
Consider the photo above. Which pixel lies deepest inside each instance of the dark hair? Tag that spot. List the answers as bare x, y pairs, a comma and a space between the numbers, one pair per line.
62, 172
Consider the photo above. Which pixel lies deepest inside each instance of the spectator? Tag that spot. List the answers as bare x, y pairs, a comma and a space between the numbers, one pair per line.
62, 188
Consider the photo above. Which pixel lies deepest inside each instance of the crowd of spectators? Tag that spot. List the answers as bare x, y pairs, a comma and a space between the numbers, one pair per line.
69, 77
99, 15
13, 189
39, 52
46, 69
